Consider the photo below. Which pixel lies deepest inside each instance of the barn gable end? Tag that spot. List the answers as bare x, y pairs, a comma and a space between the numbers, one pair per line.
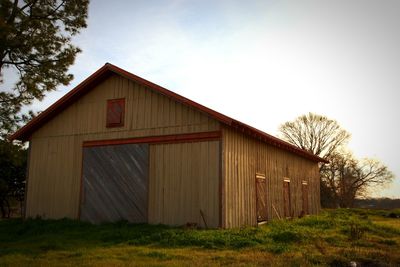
56, 148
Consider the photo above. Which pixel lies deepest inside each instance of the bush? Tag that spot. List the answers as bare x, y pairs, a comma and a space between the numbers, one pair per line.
286, 236
356, 231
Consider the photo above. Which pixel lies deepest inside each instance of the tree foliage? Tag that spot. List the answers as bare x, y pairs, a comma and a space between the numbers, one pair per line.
35, 42
345, 177
13, 160
36, 46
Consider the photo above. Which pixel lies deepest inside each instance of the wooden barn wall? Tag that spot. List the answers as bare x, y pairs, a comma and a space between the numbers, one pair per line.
184, 181
56, 148
243, 157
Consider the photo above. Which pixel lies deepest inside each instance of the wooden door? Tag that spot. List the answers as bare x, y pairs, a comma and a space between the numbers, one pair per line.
305, 197
286, 199
115, 183
261, 196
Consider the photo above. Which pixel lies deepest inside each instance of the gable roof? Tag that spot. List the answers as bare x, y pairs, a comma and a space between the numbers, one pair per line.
108, 69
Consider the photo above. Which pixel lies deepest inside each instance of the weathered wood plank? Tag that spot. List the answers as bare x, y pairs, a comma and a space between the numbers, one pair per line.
115, 183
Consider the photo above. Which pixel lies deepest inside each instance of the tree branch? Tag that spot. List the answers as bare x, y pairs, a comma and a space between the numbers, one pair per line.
13, 12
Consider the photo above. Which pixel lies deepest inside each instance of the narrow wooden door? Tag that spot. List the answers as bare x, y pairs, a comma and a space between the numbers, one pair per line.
115, 183
305, 197
261, 203
286, 199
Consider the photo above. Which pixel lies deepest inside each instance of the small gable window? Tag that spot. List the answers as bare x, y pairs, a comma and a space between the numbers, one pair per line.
115, 112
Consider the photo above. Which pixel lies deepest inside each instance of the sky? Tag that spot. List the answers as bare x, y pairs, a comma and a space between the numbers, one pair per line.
262, 62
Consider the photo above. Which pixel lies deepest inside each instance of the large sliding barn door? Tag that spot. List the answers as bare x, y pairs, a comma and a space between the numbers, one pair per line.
115, 183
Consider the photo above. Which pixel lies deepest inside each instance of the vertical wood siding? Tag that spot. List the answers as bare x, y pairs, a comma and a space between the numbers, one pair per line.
56, 148
146, 113
54, 178
184, 179
243, 157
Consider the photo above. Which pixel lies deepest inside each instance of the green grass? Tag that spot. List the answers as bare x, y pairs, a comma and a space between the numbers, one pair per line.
335, 237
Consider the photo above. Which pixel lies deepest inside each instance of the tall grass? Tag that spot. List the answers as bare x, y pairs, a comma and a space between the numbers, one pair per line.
317, 237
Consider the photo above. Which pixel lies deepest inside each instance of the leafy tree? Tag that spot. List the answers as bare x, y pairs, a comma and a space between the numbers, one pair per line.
35, 43
13, 160
379, 203
344, 178
315, 133
36, 48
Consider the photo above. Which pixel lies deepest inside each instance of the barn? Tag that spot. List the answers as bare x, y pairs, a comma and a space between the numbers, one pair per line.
118, 147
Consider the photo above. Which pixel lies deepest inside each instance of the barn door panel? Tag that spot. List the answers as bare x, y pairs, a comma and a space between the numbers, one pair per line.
115, 183
286, 198
305, 197
261, 195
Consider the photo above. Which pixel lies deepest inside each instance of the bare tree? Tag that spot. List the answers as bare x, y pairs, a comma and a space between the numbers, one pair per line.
370, 173
333, 176
315, 133
346, 178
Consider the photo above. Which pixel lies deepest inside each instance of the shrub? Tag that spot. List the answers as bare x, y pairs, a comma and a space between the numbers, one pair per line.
356, 231
389, 242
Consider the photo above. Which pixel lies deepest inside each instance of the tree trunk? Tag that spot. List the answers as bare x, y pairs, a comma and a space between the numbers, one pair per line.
3, 210
9, 209
21, 206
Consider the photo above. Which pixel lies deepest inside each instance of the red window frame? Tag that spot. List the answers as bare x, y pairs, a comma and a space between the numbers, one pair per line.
115, 112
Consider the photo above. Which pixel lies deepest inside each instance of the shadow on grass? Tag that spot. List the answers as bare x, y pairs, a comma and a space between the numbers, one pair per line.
36, 236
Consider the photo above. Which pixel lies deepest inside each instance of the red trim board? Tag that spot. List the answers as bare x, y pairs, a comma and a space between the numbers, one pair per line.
164, 139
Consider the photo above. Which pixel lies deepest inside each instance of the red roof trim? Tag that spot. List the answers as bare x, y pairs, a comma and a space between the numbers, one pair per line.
25, 132
166, 92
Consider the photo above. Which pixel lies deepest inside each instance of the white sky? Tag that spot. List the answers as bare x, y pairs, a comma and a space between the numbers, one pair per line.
262, 62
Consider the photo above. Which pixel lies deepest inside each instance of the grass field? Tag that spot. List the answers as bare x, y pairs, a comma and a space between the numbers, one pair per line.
333, 238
